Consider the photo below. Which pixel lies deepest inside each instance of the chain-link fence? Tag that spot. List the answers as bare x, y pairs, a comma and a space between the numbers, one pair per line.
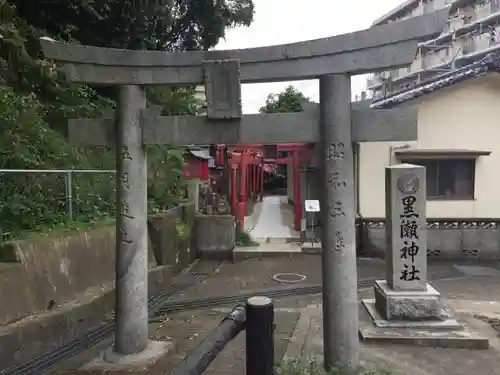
32, 199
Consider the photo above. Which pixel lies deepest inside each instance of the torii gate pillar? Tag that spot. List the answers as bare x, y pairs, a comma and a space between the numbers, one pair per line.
340, 300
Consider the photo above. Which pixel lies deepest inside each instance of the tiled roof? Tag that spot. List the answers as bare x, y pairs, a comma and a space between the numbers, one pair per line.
490, 63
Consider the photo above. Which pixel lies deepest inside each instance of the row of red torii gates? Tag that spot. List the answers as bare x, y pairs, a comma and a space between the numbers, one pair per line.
250, 160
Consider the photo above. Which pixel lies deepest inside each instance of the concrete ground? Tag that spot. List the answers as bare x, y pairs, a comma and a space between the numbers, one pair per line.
307, 342
271, 218
186, 330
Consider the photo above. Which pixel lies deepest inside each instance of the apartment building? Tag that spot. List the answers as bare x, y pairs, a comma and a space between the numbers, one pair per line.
472, 31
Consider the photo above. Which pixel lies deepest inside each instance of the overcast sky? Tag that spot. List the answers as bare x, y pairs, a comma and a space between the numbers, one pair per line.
287, 21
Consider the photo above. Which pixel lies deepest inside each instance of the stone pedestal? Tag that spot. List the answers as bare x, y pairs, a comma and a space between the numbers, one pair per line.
406, 309
407, 305
112, 363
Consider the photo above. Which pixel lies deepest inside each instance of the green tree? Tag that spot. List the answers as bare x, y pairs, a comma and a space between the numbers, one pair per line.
174, 25
289, 100
36, 100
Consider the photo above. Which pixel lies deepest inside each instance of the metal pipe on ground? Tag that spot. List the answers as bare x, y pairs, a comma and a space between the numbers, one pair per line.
198, 360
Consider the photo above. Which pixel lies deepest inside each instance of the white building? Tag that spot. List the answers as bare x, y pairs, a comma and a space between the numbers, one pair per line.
458, 142
455, 85
473, 30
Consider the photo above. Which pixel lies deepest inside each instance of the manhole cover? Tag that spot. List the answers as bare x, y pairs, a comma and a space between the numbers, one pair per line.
288, 277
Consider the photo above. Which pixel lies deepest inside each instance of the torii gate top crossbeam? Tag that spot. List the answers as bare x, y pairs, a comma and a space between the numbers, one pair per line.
377, 48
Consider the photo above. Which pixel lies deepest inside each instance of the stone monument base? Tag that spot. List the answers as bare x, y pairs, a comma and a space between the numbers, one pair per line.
415, 318
446, 319
407, 305
110, 361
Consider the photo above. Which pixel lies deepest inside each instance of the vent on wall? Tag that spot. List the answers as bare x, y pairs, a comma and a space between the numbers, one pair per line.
433, 252
469, 253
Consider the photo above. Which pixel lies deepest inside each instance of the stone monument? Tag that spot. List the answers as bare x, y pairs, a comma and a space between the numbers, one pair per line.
406, 307
333, 60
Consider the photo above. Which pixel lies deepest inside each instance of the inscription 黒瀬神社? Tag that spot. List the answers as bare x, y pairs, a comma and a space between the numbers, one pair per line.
409, 228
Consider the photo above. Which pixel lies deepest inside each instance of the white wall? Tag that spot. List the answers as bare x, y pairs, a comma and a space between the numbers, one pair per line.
464, 116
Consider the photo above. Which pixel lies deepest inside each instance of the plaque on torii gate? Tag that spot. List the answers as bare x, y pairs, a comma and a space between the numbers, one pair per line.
333, 60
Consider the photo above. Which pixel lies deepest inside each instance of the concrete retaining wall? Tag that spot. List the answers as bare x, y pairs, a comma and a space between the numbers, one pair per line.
65, 282
214, 236
49, 271
448, 239
39, 274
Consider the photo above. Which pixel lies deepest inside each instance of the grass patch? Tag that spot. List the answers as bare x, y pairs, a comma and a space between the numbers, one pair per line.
49, 230
243, 239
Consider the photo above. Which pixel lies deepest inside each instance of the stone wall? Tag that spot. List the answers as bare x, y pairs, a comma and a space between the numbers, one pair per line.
170, 236
42, 273
214, 236
457, 239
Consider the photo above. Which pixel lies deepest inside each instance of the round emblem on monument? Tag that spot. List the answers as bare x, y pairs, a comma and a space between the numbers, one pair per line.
408, 183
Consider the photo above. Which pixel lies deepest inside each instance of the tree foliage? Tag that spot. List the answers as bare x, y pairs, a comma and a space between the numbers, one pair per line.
289, 100
174, 25
36, 100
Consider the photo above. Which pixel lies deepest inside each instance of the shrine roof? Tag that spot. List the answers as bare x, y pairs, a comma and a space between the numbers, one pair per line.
490, 63
198, 153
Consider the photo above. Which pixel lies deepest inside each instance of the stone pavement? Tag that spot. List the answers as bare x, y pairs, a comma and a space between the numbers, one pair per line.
271, 218
474, 298
186, 330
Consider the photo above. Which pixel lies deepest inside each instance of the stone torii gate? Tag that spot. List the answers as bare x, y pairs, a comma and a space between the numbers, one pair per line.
333, 60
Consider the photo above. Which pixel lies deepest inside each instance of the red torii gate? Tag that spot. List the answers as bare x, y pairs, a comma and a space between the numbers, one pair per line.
251, 160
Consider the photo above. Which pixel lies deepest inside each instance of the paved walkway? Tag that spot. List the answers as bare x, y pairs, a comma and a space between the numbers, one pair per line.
272, 218
475, 300
186, 330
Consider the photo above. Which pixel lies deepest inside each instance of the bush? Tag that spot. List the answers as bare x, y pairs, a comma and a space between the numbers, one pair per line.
37, 201
35, 102
33, 201
243, 239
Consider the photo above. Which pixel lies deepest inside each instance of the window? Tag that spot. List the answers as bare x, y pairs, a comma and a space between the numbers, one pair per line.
495, 6
448, 178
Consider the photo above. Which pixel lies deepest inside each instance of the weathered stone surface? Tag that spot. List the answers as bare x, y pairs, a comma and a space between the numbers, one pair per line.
111, 361
214, 236
168, 246
436, 336
406, 227
131, 317
447, 319
22, 341
338, 234
223, 89
301, 127
407, 305
57, 267
412, 308
54, 269
377, 48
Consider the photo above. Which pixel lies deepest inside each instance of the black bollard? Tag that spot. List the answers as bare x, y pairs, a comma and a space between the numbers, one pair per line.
259, 329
